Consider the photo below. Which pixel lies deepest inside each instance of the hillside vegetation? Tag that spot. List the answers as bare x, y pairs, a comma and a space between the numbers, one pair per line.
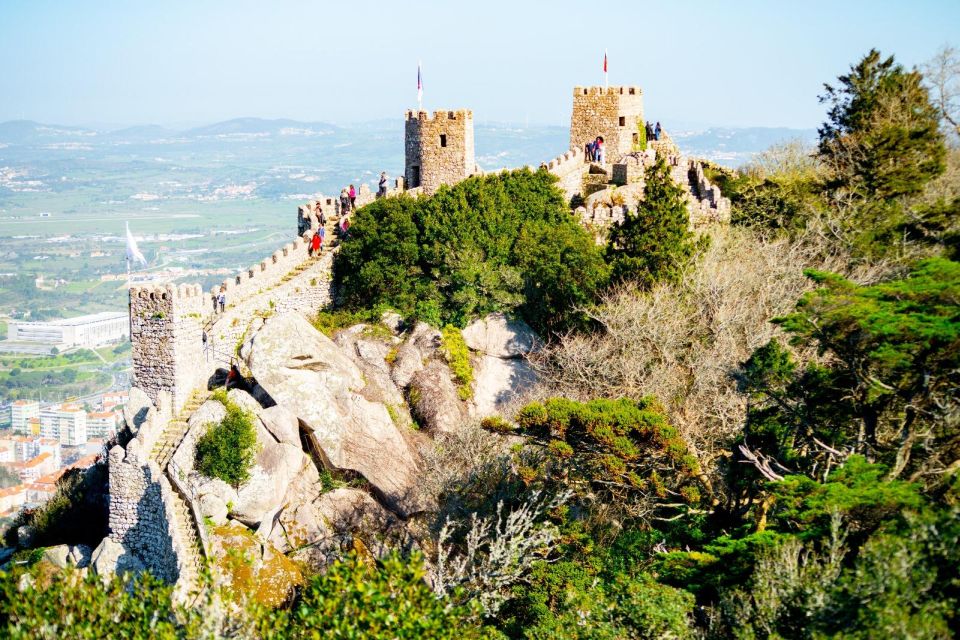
748, 434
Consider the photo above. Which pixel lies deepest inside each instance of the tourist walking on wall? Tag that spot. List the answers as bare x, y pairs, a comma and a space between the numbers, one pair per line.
222, 300
600, 154
353, 198
323, 236
649, 131
344, 202
315, 243
382, 189
656, 131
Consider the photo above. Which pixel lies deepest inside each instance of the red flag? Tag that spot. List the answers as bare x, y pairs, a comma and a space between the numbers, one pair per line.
604, 60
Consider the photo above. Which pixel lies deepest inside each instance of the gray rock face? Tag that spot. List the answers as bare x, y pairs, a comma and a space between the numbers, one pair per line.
58, 556
307, 373
499, 382
278, 463
112, 558
137, 410
434, 399
409, 360
213, 507
392, 320
282, 424
498, 336
244, 400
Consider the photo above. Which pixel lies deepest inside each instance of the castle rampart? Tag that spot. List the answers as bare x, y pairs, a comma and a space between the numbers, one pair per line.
439, 148
569, 170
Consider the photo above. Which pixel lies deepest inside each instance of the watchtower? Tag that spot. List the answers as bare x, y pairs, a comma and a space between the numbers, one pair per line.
165, 334
439, 148
615, 113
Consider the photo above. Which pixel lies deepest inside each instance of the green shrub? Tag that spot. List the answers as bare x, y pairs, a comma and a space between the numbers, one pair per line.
64, 605
457, 355
356, 598
226, 451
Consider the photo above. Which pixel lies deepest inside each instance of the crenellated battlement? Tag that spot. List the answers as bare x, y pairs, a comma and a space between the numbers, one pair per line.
625, 90
439, 116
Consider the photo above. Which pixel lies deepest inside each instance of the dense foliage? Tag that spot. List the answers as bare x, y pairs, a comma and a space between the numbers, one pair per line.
503, 242
227, 450
67, 605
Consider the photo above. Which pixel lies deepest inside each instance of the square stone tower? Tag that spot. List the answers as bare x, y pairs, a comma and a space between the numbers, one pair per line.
615, 113
439, 148
165, 334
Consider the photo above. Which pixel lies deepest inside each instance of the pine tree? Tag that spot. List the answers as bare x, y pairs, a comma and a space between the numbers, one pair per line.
882, 138
655, 243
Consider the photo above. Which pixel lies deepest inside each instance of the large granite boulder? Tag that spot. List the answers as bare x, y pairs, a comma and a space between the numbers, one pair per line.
137, 410
434, 399
502, 337
250, 567
112, 558
498, 383
304, 371
282, 424
277, 465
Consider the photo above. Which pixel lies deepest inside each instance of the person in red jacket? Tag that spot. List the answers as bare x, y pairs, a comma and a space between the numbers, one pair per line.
315, 243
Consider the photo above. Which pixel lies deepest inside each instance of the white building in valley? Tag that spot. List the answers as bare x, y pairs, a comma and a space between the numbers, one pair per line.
21, 412
91, 330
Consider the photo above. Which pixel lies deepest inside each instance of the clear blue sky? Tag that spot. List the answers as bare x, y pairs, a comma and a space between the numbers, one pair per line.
173, 62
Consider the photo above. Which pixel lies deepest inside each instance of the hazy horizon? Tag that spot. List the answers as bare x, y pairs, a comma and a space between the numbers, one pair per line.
182, 64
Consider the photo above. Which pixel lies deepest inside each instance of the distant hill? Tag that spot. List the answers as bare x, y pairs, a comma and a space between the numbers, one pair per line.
260, 125
734, 146
28, 131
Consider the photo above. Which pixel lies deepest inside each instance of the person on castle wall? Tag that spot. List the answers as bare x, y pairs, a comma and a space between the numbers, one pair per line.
591, 151
382, 188
656, 131
222, 299
323, 236
600, 157
649, 131
344, 202
315, 243
353, 198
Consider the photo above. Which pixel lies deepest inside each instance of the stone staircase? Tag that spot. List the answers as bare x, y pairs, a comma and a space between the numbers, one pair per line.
183, 522
174, 432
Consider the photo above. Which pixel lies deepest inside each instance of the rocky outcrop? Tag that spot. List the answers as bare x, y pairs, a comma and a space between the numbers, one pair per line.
307, 373
498, 383
252, 568
501, 373
502, 337
434, 400
112, 558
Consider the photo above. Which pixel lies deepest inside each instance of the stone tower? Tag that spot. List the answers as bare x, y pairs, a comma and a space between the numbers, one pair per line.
439, 148
165, 334
615, 113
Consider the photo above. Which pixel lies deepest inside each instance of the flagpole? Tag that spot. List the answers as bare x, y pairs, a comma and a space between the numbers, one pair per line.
419, 86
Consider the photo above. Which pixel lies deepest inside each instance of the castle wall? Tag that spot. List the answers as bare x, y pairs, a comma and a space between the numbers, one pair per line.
142, 510
569, 170
439, 149
598, 111
165, 334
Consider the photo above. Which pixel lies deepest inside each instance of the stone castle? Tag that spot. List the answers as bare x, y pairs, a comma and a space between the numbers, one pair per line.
153, 513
